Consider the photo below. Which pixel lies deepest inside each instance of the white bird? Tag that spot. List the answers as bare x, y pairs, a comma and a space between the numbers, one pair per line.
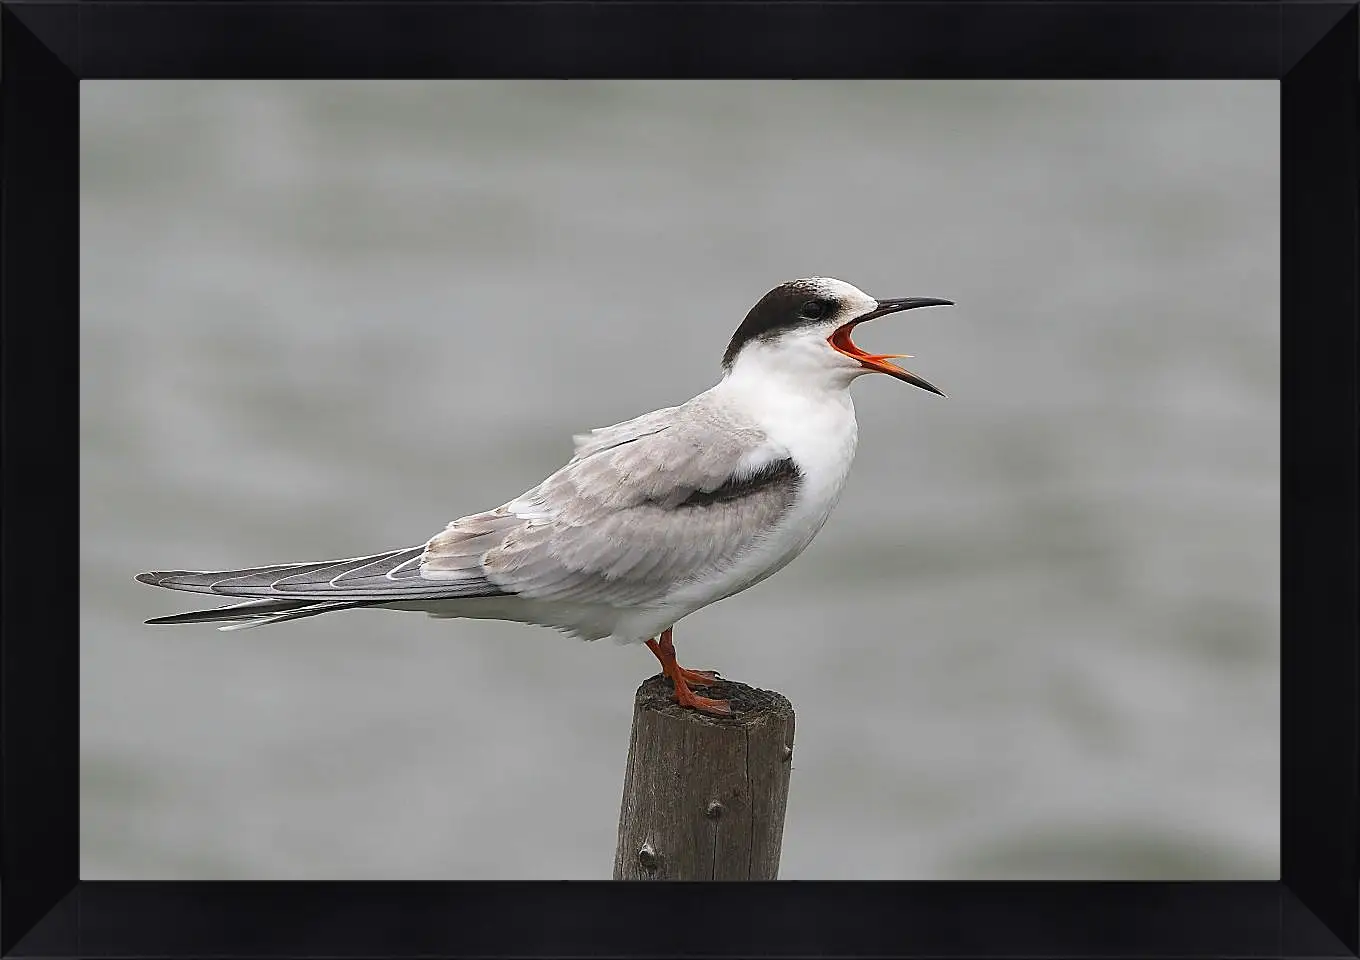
651, 519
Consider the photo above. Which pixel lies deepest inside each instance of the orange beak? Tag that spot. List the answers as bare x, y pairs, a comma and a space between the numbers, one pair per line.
840, 341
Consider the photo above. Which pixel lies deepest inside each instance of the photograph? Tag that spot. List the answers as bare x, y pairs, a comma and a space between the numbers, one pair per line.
466, 465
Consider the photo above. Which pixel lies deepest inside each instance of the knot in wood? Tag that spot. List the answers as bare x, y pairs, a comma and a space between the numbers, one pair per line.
647, 857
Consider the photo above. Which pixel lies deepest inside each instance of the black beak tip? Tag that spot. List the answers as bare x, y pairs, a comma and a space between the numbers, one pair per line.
905, 303
927, 386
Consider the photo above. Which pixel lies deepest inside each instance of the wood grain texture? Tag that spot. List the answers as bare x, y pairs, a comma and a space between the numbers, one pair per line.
704, 797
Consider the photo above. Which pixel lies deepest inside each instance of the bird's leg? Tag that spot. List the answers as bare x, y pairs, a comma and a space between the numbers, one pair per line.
666, 648
682, 678
694, 678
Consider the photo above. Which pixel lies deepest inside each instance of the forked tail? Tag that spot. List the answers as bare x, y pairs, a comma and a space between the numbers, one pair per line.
257, 613
290, 591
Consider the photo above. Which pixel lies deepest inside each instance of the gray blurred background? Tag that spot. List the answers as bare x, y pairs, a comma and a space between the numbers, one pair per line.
1038, 638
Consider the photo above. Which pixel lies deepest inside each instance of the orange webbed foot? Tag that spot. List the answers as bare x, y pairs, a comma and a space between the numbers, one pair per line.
664, 649
700, 678
687, 698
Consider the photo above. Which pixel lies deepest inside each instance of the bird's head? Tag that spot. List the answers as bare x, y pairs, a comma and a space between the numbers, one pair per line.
803, 327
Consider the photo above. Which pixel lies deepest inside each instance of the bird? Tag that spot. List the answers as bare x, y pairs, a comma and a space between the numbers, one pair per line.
650, 520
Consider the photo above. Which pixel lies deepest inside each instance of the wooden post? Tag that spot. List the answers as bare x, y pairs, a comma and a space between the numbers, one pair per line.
704, 797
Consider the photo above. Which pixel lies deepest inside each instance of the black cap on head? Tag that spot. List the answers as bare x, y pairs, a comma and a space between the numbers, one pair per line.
788, 306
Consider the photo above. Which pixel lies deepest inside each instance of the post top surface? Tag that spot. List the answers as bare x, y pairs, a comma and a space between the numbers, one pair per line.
749, 704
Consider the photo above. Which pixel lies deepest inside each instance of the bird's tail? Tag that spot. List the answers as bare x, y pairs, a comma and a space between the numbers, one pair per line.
257, 613
288, 591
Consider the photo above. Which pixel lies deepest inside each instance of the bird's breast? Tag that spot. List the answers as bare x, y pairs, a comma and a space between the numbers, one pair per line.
820, 438
823, 448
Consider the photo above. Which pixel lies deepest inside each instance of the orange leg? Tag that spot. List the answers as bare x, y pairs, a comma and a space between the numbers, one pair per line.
682, 678
666, 648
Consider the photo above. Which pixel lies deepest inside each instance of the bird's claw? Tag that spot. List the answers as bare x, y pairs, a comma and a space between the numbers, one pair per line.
701, 678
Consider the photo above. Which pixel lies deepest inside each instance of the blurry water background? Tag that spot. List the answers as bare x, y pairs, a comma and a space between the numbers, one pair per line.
1038, 638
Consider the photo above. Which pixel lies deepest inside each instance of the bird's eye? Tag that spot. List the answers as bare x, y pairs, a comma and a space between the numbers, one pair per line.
812, 310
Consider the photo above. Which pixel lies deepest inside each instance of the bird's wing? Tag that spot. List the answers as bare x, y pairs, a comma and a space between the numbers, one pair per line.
391, 575
606, 438
643, 507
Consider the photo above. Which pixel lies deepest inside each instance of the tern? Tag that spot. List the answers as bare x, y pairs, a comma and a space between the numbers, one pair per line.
650, 520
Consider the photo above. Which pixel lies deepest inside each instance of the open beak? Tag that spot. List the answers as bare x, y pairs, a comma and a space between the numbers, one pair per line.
841, 342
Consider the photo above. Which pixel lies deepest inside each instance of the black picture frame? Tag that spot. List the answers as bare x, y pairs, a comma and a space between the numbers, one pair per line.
48, 46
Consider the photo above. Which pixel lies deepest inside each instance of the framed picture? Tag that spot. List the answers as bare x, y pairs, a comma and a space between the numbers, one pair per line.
1074, 658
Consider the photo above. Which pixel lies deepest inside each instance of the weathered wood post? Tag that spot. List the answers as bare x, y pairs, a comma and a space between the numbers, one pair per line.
704, 797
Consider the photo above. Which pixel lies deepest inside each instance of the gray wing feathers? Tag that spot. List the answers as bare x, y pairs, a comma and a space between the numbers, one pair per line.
392, 575
606, 438
643, 507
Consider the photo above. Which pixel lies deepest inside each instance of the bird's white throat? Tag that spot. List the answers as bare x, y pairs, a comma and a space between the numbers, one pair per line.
801, 402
